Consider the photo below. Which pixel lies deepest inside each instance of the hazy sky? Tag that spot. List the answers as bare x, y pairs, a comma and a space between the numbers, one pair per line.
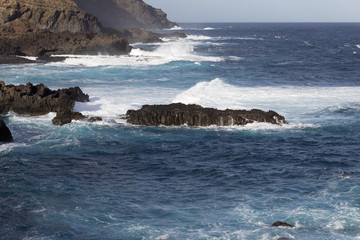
260, 10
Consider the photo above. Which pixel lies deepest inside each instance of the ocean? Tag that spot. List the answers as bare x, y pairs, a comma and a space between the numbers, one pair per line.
111, 180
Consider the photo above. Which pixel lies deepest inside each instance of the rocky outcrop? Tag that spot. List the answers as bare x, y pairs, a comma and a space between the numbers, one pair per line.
40, 28
44, 42
52, 15
66, 117
36, 100
194, 115
126, 14
281, 224
5, 134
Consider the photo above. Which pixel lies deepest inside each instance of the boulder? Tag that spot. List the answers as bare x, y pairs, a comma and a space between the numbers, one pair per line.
5, 134
63, 118
177, 114
36, 100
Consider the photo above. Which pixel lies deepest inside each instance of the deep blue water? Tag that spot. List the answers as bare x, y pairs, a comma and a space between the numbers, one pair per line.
111, 180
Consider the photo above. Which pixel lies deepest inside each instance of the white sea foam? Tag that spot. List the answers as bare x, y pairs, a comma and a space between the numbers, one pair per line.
199, 37
29, 58
295, 103
288, 100
235, 58
111, 103
175, 28
8, 147
182, 50
209, 28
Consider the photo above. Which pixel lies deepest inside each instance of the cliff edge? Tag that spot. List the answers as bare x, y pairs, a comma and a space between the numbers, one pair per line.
126, 14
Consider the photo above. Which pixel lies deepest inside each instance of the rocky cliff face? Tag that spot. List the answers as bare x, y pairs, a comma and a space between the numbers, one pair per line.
53, 15
45, 27
126, 14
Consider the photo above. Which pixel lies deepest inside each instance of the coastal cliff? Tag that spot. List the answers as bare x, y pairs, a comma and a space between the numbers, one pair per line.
47, 27
50, 27
126, 14
55, 15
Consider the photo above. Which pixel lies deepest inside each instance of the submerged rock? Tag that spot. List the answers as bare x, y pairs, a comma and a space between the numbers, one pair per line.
194, 115
281, 224
39, 100
5, 134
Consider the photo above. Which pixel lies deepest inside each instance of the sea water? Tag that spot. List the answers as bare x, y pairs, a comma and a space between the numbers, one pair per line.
112, 180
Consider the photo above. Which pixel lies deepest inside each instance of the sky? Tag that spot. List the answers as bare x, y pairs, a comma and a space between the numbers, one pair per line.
259, 10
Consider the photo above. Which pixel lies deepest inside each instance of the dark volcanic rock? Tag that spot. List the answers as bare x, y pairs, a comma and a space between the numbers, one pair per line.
281, 224
38, 100
44, 42
63, 118
126, 14
194, 115
5, 134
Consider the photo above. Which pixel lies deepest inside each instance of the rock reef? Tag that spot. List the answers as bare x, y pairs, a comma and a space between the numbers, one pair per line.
5, 134
178, 114
37, 100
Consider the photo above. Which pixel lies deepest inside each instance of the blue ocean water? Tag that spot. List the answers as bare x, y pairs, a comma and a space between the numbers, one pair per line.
111, 180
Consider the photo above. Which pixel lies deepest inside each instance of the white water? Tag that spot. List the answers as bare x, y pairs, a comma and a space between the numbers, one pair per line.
288, 100
170, 51
297, 104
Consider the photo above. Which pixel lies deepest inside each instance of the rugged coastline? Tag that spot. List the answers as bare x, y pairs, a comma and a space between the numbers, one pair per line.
44, 28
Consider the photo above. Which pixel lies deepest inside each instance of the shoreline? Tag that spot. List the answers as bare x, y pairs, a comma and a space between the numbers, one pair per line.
4, 59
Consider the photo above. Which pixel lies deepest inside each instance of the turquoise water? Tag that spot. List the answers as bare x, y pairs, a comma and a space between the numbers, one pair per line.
111, 180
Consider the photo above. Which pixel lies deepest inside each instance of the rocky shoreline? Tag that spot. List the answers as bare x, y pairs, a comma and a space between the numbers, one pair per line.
41, 29
30, 100
35, 100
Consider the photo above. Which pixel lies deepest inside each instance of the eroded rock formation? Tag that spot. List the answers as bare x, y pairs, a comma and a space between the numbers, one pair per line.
194, 115
37, 100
